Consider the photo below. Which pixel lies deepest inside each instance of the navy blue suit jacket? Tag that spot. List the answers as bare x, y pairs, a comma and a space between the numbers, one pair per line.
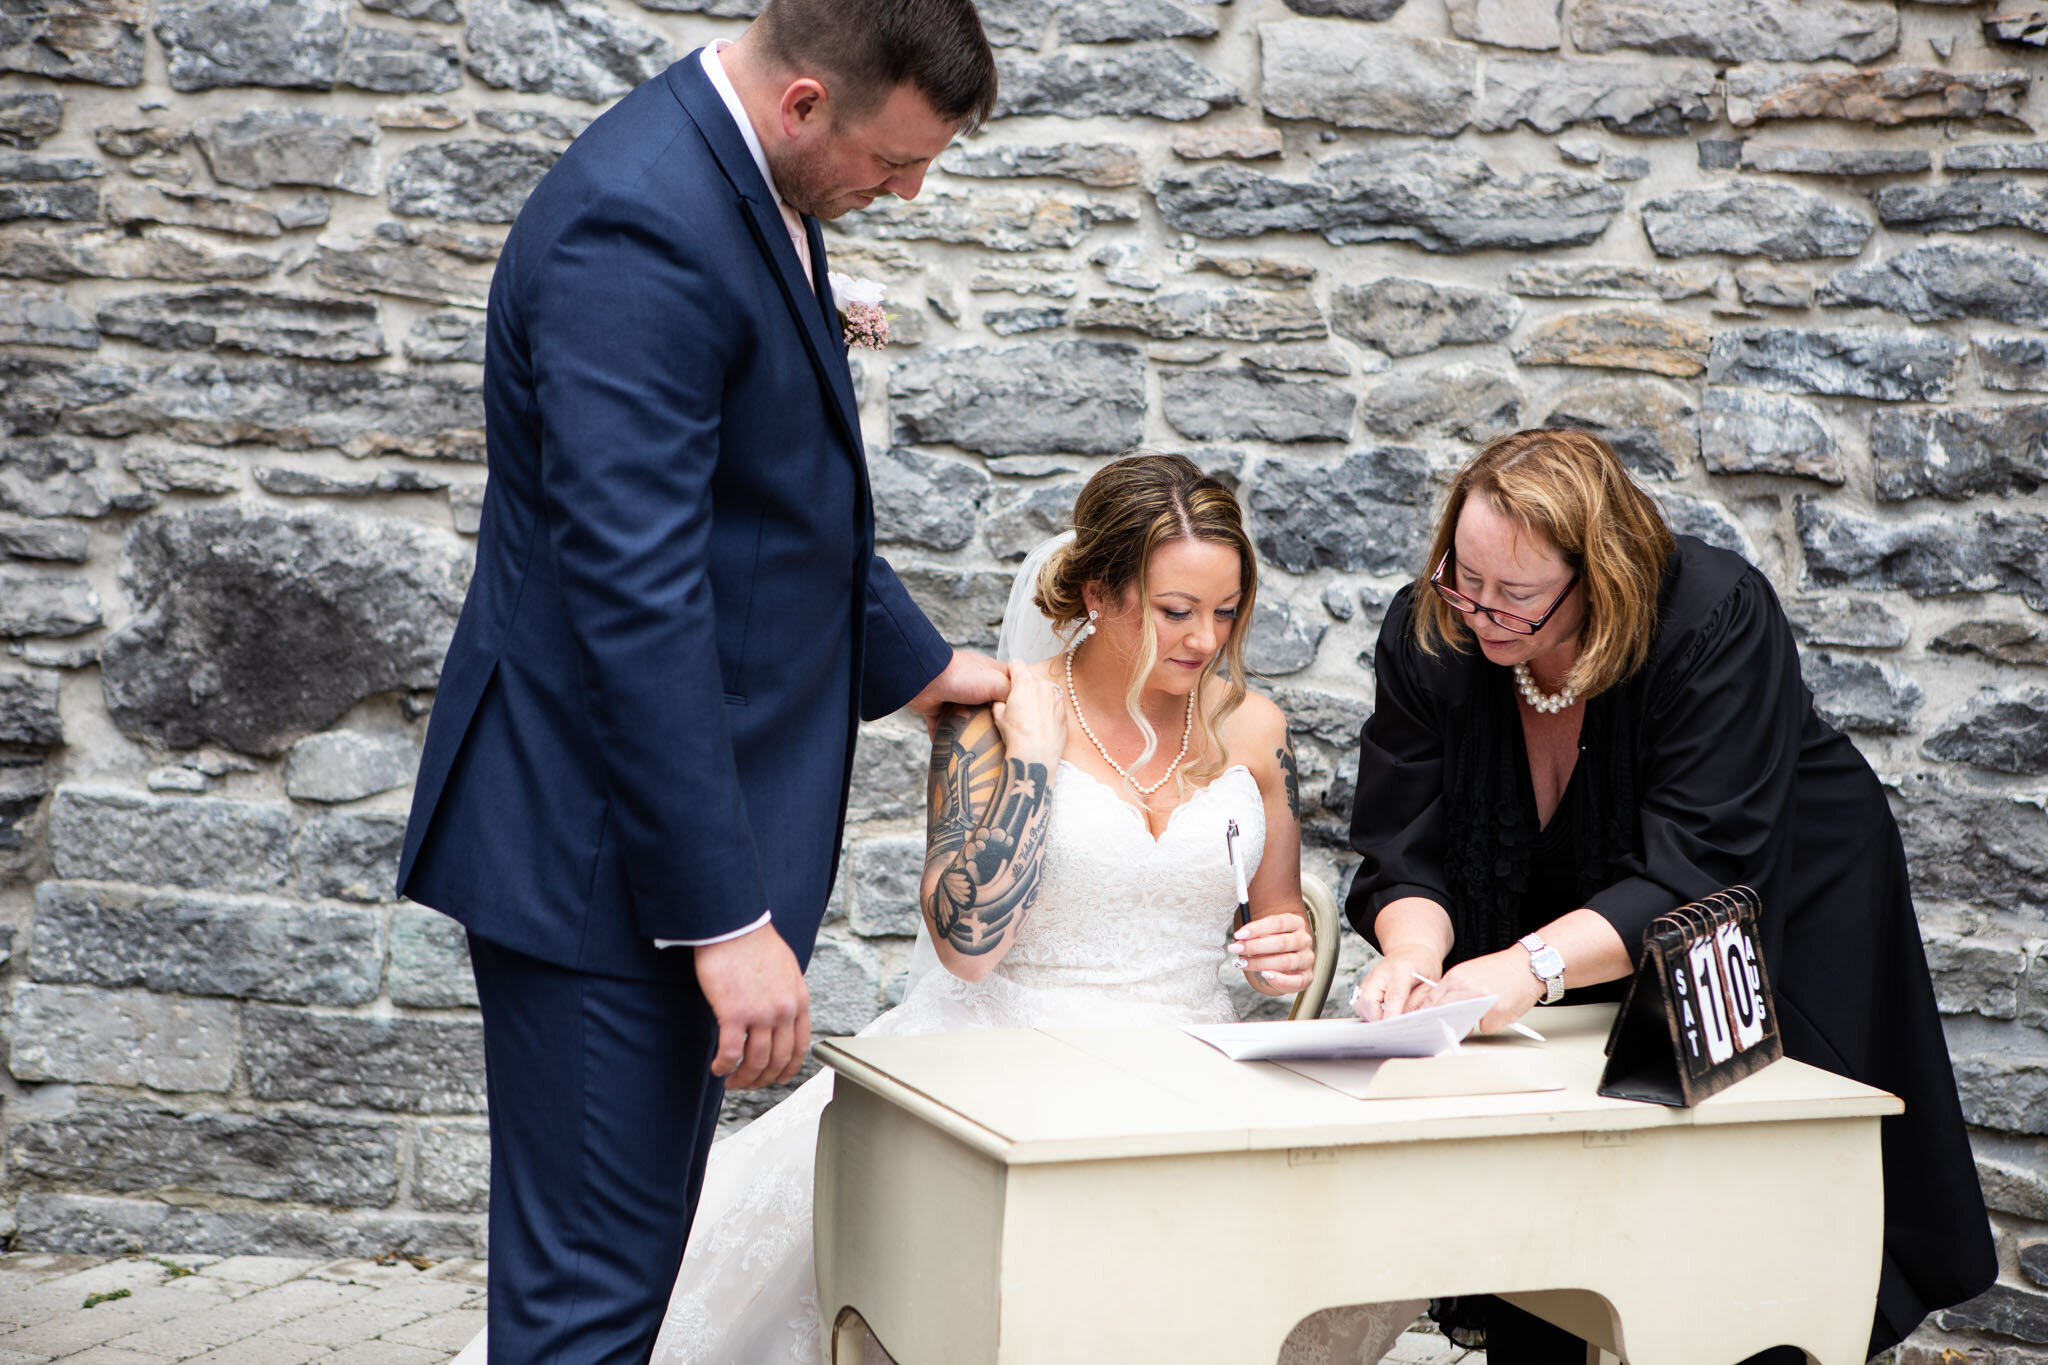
646, 719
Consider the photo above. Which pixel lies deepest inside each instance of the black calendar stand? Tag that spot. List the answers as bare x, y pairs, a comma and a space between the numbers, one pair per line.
1699, 1014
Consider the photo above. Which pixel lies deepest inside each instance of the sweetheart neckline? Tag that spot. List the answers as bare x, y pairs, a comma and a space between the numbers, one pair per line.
1170, 815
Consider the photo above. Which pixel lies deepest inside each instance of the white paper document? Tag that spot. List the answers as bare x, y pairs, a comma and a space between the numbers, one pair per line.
1422, 1033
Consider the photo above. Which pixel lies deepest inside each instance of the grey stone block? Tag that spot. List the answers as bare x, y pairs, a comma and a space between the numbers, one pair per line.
1997, 156
1366, 78
925, 500
537, 121
301, 483
1972, 846
1252, 405
429, 960
1861, 363
267, 147
2004, 1309
289, 43
1842, 619
1957, 453
1448, 199
451, 1170
1468, 400
1015, 528
254, 629
1146, 82
1770, 286
1967, 205
19, 166
1691, 516
1009, 322
1739, 30
471, 180
846, 987
244, 320
128, 204
122, 1146
1991, 552
1974, 972
92, 1036
147, 254
2012, 1187
72, 202
1127, 21
101, 43
1746, 432
46, 604
393, 1064
1862, 696
1102, 164
1215, 314
402, 270
1085, 397
2015, 364
1836, 160
889, 768
205, 945
2005, 642
966, 606
883, 876
346, 765
575, 48
1347, 9
996, 219
348, 855
1530, 24
1653, 426
44, 317
393, 62
1405, 316
1753, 219
1368, 512
1641, 99
447, 336
434, 11
96, 1226
1280, 639
1949, 280
28, 708
102, 834
2003, 730
1322, 716
1016, 23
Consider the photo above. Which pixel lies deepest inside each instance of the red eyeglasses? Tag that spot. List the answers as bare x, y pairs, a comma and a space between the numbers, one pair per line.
1506, 620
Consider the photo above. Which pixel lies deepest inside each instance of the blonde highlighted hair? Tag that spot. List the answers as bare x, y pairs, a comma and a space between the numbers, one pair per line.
1127, 511
1570, 488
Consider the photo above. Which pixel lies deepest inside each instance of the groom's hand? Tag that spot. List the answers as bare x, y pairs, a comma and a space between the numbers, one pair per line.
763, 1008
969, 680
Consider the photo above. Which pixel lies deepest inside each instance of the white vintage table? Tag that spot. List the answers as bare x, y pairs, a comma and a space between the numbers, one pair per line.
1037, 1196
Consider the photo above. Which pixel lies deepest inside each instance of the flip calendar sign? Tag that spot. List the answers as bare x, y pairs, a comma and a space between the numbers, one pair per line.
1699, 1014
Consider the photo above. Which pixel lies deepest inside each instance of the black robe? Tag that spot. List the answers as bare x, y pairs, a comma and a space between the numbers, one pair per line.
1706, 768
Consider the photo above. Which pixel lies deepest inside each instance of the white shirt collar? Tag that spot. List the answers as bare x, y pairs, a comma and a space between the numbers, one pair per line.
715, 69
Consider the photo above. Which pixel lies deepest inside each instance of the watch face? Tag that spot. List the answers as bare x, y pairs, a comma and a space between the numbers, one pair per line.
1547, 962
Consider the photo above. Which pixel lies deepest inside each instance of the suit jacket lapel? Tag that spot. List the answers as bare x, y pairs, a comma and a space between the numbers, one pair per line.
693, 89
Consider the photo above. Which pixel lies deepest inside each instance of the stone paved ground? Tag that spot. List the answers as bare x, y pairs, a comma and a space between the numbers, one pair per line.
244, 1310
274, 1310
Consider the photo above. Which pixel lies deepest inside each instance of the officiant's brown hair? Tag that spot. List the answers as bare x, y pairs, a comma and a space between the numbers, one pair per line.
1571, 488
866, 48
1126, 512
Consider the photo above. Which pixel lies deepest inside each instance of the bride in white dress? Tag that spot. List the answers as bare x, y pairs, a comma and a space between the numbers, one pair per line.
1077, 873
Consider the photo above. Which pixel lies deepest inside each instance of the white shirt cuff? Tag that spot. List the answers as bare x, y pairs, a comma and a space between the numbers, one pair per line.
766, 917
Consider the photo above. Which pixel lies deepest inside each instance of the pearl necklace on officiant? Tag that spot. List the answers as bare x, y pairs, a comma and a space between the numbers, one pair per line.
1074, 698
1547, 703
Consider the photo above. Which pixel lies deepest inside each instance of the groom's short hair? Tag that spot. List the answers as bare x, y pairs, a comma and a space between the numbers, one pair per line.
866, 48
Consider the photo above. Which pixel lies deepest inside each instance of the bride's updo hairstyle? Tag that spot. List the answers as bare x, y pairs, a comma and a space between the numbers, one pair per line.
1125, 513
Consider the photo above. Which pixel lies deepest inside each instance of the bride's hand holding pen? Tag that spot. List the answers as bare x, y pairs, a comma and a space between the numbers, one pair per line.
1276, 951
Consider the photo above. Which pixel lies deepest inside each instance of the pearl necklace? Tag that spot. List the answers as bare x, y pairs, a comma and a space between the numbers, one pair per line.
1187, 730
1525, 683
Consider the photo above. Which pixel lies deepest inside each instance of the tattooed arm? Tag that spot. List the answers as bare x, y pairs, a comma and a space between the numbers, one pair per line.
1276, 949
990, 791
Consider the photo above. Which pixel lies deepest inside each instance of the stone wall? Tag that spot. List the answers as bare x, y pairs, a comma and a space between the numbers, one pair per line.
1786, 254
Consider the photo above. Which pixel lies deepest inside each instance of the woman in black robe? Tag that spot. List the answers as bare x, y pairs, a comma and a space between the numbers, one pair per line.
1648, 743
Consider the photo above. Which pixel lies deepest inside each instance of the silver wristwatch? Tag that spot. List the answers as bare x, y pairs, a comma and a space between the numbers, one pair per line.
1548, 965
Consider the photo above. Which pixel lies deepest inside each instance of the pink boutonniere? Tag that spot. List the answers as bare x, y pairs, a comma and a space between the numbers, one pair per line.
864, 325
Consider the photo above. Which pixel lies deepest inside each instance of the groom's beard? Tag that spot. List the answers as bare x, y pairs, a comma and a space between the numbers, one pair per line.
804, 179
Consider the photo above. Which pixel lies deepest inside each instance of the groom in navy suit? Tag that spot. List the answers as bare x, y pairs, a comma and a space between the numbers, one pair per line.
635, 777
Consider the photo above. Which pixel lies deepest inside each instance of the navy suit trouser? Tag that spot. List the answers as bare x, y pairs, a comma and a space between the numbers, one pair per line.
602, 1108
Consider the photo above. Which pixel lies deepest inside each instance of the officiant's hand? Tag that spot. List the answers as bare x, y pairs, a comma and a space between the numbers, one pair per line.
757, 992
1504, 975
1033, 718
970, 679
